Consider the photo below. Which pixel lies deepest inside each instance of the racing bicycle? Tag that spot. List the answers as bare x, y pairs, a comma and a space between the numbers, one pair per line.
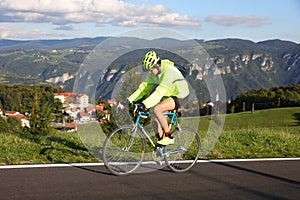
124, 148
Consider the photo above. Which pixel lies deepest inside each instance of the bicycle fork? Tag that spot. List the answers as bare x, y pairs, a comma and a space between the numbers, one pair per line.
130, 139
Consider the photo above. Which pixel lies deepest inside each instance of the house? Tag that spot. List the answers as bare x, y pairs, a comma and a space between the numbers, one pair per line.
72, 97
84, 117
83, 99
66, 97
60, 96
11, 113
24, 121
21, 117
77, 106
70, 127
90, 109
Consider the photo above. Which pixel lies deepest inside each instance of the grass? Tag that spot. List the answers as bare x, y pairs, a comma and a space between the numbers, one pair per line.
264, 133
257, 143
53, 148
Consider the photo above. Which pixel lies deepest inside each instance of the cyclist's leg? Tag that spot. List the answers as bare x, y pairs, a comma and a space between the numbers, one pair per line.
157, 128
160, 108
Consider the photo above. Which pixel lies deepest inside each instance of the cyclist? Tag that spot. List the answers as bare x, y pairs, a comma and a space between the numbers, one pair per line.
170, 89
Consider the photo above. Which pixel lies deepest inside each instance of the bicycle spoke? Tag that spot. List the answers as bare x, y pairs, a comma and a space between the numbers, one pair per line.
123, 151
183, 154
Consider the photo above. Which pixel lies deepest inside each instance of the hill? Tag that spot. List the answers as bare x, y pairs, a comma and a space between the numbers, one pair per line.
243, 64
262, 134
87, 43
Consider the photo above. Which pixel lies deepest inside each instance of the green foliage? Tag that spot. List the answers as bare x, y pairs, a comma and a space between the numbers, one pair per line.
284, 96
10, 125
18, 97
4, 126
37, 101
15, 123
40, 115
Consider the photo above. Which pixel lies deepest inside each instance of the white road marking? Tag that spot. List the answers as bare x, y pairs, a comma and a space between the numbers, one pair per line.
150, 162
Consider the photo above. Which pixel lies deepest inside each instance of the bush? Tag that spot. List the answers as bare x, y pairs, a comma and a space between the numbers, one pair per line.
15, 123
4, 126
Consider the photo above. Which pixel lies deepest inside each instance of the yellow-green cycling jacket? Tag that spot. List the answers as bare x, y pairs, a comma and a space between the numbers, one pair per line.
170, 83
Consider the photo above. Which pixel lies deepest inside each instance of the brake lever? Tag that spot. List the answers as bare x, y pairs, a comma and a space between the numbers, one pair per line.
135, 109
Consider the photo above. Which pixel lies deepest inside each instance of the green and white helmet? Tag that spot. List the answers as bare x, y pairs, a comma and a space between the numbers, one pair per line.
149, 60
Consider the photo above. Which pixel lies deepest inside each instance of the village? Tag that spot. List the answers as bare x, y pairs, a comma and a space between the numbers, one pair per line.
76, 109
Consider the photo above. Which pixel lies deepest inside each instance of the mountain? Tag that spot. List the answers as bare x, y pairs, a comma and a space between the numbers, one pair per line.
86, 43
243, 64
250, 65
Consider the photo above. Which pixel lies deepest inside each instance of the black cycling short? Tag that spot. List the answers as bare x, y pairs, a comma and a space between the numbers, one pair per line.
178, 100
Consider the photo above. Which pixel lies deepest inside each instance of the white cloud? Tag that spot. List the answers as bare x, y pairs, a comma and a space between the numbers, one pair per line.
114, 12
229, 20
8, 32
42, 5
12, 34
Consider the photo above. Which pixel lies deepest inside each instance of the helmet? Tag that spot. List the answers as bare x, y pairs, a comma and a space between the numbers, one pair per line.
149, 60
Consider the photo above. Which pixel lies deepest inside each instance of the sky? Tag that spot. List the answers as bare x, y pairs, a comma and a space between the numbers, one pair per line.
255, 20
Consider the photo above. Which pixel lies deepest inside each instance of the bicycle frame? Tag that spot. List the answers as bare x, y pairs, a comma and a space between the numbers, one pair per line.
142, 114
123, 159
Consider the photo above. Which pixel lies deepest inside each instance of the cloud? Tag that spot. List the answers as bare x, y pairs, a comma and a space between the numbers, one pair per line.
20, 34
113, 12
228, 20
12, 34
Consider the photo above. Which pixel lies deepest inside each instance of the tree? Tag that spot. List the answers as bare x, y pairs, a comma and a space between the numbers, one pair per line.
15, 123
39, 115
268, 98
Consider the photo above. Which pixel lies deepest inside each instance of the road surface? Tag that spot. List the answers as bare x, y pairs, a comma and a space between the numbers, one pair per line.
214, 180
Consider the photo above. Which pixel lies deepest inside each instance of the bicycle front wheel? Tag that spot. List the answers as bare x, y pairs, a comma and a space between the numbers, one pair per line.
123, 150
185, 151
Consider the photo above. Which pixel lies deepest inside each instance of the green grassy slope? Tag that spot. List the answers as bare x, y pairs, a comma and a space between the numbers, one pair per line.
264, 133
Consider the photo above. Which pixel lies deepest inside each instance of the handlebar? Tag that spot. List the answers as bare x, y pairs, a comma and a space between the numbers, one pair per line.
142, 114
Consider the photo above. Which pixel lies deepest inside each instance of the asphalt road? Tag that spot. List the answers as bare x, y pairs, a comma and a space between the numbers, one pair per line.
229, 180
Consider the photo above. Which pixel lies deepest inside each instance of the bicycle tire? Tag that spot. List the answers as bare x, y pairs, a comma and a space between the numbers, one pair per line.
186, 150
119, 160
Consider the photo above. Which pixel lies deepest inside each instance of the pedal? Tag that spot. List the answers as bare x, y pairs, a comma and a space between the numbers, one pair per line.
157, 155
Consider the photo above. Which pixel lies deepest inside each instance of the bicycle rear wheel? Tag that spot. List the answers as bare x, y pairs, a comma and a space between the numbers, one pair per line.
123, 150
184, 153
